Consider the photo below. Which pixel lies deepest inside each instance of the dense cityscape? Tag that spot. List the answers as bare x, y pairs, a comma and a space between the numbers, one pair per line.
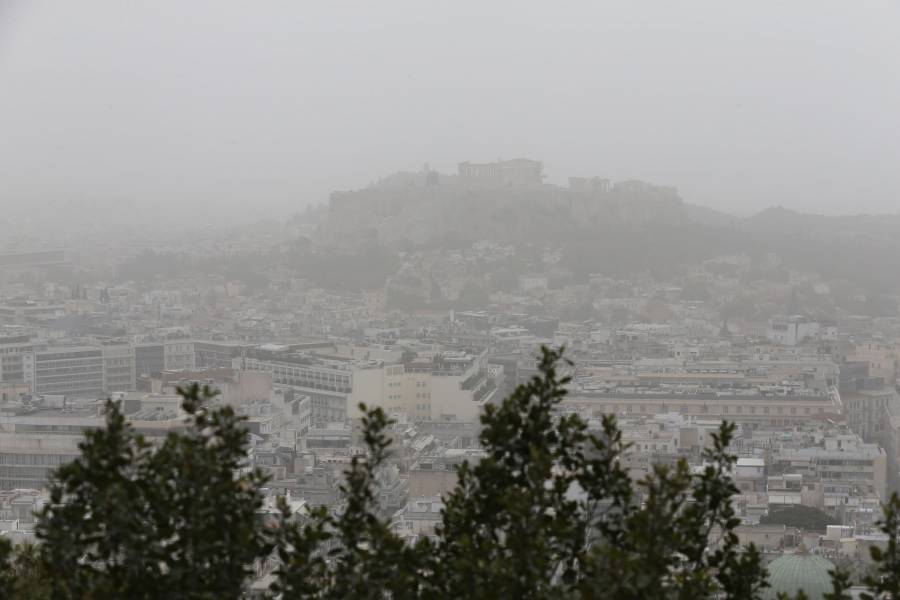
430, 295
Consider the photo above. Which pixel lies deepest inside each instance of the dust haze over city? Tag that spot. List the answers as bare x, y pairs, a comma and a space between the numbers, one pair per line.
305, 207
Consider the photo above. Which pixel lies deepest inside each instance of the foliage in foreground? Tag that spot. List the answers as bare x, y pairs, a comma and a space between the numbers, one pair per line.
547, 513
128, 519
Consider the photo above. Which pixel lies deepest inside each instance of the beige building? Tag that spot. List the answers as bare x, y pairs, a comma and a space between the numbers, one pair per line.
448, 387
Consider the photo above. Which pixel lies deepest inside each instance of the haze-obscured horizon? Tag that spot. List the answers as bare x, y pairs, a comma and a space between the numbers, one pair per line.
264, 108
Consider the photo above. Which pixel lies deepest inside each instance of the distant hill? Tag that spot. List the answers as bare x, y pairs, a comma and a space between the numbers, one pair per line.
864, 249
787, 221
423, 215
629, 227
708, 216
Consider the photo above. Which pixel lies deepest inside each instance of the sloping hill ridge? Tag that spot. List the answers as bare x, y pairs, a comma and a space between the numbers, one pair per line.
630, 228
421, 215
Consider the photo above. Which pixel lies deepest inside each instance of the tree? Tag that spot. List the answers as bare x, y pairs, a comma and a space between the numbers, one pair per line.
840, 585
22, 573
886, 582
128, 519
801, 517
366, 560
549, 512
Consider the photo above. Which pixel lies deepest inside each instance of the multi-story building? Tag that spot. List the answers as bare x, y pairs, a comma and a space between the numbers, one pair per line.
449, 386
28, 460
212, 354
843, 463
33, 445
118, 368
149, 359
791, 489
153, 358
329, 384
179, 355
754, 409
13, 349
868, 410
883, 359
72, 371
791, 331
27, 312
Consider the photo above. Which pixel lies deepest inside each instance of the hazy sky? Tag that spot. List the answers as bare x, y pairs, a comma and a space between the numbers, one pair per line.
268, 105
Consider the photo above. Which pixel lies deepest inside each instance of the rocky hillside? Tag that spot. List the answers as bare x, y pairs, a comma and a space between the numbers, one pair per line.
423, 215
631, 227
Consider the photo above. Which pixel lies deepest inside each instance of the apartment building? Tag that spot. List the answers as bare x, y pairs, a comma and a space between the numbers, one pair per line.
843, 463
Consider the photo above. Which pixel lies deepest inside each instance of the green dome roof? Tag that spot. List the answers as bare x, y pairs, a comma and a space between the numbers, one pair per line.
791, 572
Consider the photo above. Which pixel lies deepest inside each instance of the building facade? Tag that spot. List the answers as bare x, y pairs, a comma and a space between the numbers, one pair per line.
71, 371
